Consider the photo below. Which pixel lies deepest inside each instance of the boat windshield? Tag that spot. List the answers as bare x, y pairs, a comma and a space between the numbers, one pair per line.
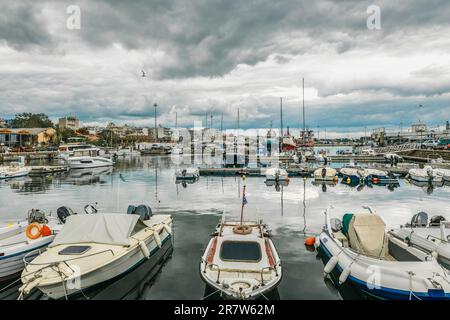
240, 251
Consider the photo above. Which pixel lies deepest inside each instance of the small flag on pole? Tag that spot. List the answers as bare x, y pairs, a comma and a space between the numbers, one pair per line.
244, 200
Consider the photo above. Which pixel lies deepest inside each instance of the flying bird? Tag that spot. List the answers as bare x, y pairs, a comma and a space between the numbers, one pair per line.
143, 74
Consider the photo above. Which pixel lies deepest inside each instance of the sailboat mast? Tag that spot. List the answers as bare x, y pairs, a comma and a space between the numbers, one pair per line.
304, 126
243, 199
238, 118
281, 124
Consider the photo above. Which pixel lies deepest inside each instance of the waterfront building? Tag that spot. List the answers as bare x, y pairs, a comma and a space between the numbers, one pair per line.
71, 123
27, 136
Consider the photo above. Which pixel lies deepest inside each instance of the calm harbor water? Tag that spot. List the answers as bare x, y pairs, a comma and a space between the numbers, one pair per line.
293, 212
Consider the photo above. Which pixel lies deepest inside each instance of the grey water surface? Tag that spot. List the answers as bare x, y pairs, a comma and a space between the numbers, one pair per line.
293, 212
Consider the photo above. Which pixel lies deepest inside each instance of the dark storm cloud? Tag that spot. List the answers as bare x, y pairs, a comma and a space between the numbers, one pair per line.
215, 55
211, 37
22, 26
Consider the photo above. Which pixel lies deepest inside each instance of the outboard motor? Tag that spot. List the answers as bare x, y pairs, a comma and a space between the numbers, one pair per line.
63, 213
144, 211
183, 173
36, 215
131, 209
324, 172
430, 174
90, 209
419, 220
435, 221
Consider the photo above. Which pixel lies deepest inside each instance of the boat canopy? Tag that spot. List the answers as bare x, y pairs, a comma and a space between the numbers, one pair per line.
114, 229
367, 235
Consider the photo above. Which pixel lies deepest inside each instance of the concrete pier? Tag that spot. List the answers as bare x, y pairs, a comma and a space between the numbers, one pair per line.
38, 155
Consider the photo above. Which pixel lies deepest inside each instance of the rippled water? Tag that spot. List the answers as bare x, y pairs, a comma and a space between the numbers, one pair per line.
293, 212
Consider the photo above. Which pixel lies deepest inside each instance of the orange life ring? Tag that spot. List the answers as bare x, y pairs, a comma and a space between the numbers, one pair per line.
32, 226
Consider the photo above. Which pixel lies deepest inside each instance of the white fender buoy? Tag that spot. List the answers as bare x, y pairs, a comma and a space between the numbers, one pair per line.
168, 229
330, 264
317, 243
344, 275
157, 238
144, 249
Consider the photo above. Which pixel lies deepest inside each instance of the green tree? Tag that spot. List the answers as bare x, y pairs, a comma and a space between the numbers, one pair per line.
64, 134
31, 120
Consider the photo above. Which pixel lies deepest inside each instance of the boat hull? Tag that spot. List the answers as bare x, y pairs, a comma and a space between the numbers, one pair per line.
359, 279
125, 264
12, 264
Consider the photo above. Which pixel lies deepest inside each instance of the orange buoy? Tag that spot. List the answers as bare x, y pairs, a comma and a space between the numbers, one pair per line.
310, 241
37, 231
46, 231
376, 180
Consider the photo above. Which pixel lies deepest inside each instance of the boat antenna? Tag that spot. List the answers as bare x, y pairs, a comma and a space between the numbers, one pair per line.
303, 103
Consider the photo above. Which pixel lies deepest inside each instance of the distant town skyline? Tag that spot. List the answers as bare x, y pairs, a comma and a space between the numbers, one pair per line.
217, 56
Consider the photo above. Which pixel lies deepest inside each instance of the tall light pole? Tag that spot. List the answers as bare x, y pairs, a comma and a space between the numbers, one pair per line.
156, 132
365, 134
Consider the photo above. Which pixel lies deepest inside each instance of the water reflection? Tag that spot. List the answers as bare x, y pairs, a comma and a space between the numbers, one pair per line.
293, 211
427, 186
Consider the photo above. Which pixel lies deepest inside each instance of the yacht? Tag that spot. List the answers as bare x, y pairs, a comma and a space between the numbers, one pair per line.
83, 156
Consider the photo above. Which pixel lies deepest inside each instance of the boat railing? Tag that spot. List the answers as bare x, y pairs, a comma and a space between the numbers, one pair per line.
430, 236
59, 261
261, 272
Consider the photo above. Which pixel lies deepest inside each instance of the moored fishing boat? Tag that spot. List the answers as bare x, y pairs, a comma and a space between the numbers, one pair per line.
187, 173
325, 174
360, 253
240, 261
375, 176
276, 174
92, 249
350, 176
427, 174
445, 174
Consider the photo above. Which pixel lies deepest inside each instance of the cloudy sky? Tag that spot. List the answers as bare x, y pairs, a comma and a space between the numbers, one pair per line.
217, 56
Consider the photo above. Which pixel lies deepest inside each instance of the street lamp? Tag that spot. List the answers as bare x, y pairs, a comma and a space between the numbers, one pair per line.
156, 132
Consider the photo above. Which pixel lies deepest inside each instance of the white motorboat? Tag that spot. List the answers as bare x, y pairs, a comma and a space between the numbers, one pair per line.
445, 174
276, 174
83, 156
427, 174
25, 238
129, 151
241, 261
430, 236
187, 173
15, 170
86, 162
92, 249
358, 252
325, 174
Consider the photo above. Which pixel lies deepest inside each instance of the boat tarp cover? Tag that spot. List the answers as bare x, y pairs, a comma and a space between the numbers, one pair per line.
111, 228
346, 222
367, 235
